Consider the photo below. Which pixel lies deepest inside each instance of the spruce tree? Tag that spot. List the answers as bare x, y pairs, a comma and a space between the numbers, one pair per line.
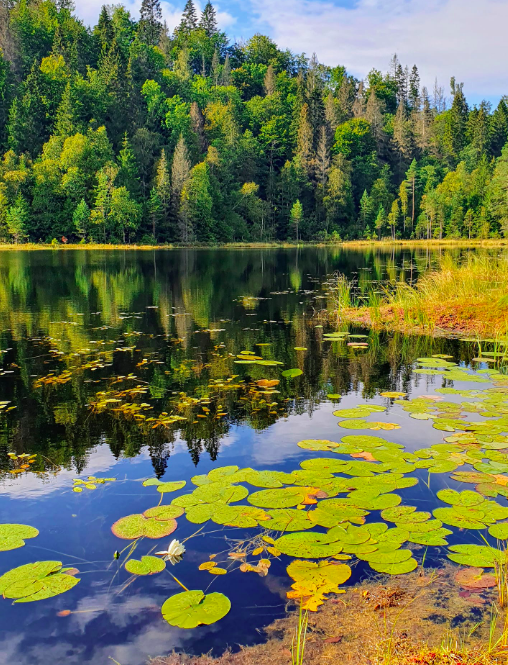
150, 22
226, 72
208, 20
189, 20
305, 139
65, 124
179, 174
163, 187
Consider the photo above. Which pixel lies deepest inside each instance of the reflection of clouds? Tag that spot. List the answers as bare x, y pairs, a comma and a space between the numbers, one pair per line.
30, 485
129, 629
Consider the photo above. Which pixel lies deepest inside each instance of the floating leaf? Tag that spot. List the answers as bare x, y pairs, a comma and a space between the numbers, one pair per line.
288, 520
36, 581
463, 521
152, 482
395, 568
13, 536
149, 565
317, 444
479, 556
308, 545
291, 373
164, 513
171, 487
190, 609
239, 516
281, 498
136, 526
313, 580
499, 531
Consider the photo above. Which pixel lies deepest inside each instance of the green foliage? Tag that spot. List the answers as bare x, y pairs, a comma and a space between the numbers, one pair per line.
262, 144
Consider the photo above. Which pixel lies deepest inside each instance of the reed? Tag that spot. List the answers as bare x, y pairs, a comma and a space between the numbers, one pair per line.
300, 638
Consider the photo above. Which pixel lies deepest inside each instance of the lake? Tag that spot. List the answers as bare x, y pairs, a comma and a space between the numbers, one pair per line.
125, 366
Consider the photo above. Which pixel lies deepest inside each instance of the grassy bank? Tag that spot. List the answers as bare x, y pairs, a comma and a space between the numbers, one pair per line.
386, 244
468, 299
422, 618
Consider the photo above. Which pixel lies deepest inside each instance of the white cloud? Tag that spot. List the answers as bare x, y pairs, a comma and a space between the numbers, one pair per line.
462, 38
88, 11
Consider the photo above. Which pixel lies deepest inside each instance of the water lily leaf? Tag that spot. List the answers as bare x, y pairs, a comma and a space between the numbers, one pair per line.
213, 492
171, 487
13, 536
280, 498
433, 538
333, 396
308, 545
269, 479
324, 464
479, 556
317, 444
465, 498
392, 394
288, 520
239, 516
190, 609
423, 527
202, 512
397, 556
164, 513
314, 580
149, 565
136, 526
291, 373
36, 581
395, 568
499, 531
380, 502
152, 482
352, 535
222, 472
329, 518
364, 424
452, 517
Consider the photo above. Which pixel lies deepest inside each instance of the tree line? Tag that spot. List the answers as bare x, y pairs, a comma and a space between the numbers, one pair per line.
126, 132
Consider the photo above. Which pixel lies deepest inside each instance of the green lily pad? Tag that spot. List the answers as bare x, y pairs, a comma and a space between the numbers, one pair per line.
291, 373
279, 498
465, 498
288, 520
452, 517
395, 568
136, 526
499, 531
190, 609
152, 482
308, 545
478, 556
13, 536
239, 516
171, 487
324, 464
317, 444
149, 565
36, 581
397, 556
164, 513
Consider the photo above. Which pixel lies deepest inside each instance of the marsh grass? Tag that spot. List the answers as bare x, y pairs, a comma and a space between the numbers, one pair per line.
300, 638
469, 297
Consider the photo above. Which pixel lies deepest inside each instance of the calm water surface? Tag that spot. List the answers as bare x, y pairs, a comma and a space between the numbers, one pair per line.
173, 323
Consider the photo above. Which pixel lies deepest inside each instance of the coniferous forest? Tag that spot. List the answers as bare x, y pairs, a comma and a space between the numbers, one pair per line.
125, 132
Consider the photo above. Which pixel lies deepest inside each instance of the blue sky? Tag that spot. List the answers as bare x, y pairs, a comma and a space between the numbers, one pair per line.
461, 38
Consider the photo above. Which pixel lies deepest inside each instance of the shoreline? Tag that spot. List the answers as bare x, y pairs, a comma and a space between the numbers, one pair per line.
353, 244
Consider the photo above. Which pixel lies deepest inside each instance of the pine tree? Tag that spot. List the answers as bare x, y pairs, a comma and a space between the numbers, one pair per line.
189, 20
81, 219
269, 82
208, 20
215, 71
104, 32
128, 175
226, 72
296, 217
155, 211
150, 23
163, 188
414, 89
179, 174
380, 222
366, 210
305, 140
65, 125
17, 218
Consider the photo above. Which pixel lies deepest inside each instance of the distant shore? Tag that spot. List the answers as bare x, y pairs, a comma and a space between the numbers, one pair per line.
353, 244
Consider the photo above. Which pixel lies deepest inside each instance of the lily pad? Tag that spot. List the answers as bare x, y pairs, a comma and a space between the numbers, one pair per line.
499, 531
288, 520
13, 536
149, 565
136, 526
36, 581
291, 373
280, 498
171, 487
164, 513
308, 545
395, 568
190, 609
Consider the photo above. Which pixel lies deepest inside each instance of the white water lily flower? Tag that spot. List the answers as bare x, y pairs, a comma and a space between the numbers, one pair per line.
174, 553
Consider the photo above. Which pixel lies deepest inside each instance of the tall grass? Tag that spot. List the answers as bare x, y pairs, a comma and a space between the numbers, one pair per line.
300, 638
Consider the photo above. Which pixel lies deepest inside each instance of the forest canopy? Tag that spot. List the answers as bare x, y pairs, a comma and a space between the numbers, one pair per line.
125, 132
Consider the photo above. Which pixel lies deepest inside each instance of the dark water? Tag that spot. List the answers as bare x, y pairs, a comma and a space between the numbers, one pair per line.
173, 323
